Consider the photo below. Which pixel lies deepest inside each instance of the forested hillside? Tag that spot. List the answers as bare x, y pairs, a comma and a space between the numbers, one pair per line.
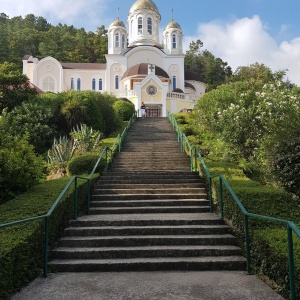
35, 36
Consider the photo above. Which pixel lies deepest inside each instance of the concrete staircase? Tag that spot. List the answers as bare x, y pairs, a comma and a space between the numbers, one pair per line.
149, 213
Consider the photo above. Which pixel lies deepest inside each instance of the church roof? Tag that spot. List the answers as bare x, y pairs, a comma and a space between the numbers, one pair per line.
189, 85
118, 23
84, 66
173, 24
144, 4
189, 75
142, 69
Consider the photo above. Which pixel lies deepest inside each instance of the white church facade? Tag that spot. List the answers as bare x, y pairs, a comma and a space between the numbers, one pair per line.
138, 66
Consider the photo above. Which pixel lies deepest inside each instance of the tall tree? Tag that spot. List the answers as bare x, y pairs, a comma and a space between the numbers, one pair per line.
213, 71
14, 87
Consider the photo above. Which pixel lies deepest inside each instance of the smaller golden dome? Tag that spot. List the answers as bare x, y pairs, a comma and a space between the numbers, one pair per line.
117, 23
173, 25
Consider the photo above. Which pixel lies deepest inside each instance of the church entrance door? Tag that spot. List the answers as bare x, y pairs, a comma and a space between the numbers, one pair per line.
153, 110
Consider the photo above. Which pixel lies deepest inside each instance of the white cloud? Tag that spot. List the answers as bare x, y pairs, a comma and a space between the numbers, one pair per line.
91, 13
245, 41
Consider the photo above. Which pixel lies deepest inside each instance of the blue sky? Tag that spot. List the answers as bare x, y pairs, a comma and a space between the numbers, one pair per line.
240, 32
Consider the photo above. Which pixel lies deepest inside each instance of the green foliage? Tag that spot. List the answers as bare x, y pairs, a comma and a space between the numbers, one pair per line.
62, 150
243, 117
268, 239
211, 70
20, 168
14, 87
35, 119
111, 120
35, 36
272, 244
124, 109
83, 164
86, 139
21, 246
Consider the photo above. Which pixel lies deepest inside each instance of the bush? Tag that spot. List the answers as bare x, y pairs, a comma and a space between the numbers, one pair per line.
268, 239
83, 164
35, 119
124, 109
21, 246
20, 168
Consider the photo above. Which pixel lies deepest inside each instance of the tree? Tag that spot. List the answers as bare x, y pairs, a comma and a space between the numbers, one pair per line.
35, 119
4, 49
211, 70
14, 87
20, 168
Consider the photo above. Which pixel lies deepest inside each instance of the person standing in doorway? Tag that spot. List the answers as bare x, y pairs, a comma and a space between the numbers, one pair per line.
143, 110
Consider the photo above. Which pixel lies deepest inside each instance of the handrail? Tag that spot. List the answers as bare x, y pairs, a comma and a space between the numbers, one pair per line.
290, 226
74, 179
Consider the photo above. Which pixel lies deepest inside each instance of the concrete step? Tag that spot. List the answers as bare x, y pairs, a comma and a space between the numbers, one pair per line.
148, 220
109, 197
232, 263
146, 203
147, 240
108, 185
137, 190
146, 230
148, 209
146, 251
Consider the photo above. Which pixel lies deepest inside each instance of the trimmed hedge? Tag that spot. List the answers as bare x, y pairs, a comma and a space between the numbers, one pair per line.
21, 246
268, 239
84, 164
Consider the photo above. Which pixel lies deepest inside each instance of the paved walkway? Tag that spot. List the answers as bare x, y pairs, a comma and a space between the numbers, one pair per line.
148, 286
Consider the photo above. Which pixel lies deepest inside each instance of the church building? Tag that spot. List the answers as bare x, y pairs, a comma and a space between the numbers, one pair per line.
139, 66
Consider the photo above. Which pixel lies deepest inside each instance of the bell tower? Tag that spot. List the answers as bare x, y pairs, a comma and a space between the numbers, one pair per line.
144, 20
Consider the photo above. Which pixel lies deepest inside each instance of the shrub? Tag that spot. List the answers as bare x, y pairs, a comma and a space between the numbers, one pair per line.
83, 164
21, 246
35, 119
124, 109
20, 168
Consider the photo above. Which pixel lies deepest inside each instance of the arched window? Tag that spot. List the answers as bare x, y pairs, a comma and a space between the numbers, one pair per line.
48, 84
168, 41
117, 82
174, 43
140, 25
78, 84
117, 40
174, 82
149, 26
123, 41
100, 84
94, 84
72, 83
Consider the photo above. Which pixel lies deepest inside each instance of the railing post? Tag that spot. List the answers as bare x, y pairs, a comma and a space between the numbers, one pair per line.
88, 196
46, 238
196, 166
120, 142
75, 199
210, 194
291, 263
247, 242
191, 159
221, 199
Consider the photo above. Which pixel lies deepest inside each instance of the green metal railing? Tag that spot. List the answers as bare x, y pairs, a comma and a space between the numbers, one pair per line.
73, 182
291, 227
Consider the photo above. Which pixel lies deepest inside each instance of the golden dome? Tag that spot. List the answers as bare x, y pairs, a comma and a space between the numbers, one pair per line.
144, 4
172, 25
118, 23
